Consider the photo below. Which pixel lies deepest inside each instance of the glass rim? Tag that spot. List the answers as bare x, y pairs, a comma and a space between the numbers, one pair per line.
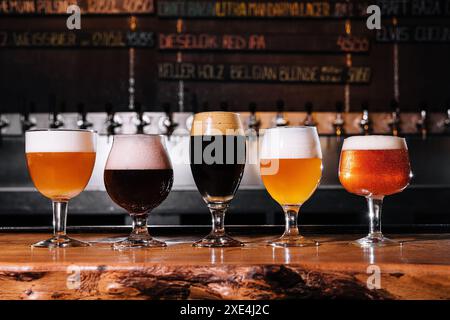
217, 112
61, 130
123, 135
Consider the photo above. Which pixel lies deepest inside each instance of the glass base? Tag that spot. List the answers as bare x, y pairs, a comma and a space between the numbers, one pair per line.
215, 241
293, 241
60, 242
130, 243
374, 241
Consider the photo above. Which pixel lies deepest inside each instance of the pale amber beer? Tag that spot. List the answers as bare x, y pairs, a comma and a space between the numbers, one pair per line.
295, 181
291, 168
60, 175
60, 163
374, 172
374, 167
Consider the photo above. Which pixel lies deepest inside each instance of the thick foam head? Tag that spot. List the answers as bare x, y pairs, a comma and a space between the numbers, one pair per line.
217, 123
60, 141
374, 143
138, 152
291, 143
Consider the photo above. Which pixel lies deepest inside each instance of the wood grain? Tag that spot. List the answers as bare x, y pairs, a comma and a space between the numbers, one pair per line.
420, 269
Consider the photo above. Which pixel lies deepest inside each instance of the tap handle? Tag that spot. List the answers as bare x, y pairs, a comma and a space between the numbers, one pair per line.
252, 107
224, 106
309, 107
166, 108
365, 105
52, 105
339, 106
109, 109
280, 105
395, 106
138, 107
81, 109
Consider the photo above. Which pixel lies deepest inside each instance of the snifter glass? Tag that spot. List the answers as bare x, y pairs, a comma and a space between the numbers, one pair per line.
374, 167
138, 177
291, 169
60, 163
217, 154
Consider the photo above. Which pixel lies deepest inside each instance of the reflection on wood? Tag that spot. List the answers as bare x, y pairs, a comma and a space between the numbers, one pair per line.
263, 73
418, 270
50, 7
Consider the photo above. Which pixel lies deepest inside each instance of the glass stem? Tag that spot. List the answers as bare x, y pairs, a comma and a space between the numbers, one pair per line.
291, 214
59, 218
140, 229
375, 204
218, 217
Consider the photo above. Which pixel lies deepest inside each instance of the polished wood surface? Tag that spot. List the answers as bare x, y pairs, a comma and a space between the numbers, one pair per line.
419, 269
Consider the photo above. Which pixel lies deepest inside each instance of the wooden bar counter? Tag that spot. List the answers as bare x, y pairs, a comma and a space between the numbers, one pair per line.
419, 269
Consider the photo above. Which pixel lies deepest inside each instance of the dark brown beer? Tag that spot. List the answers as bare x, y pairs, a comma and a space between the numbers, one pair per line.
138, 191
217, 179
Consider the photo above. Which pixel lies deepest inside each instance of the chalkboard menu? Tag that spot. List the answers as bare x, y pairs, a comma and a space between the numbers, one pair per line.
206, 52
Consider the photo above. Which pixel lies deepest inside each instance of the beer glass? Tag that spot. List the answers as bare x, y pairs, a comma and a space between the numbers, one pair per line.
291, 168
374, 167
60, 163
217, 154
138, 177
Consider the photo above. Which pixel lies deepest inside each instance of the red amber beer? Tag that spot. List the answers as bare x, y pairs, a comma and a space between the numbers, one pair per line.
374, 167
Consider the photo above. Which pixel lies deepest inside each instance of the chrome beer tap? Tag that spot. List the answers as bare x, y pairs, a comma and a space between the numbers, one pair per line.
254, 123
83, 122
141, 120
166, 124
56, 119
395, 122
309, 120
339, 121
280, 120
422, 123
28, 122
365, 123
113, 121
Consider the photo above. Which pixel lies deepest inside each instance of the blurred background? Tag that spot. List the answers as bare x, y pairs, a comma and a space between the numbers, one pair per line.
147, 65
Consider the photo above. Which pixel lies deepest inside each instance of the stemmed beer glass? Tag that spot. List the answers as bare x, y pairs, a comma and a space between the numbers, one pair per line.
60, 163
138, 177
217, 154
374, 167
291, 168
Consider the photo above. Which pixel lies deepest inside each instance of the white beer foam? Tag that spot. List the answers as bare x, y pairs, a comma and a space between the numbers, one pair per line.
138, 152
374, 143
291, 143
60, 141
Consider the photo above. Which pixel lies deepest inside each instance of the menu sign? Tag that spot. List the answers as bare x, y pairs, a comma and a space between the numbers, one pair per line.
263, 73
51, 7
64, 39
418, 34
263, 42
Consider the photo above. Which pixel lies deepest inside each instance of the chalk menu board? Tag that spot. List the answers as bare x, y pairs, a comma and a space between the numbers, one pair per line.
214, 51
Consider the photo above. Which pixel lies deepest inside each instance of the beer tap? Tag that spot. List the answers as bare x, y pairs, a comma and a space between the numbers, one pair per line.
113, 121
254, 123
166, 123
365, 123
4, 123
422, 123
280, 120
141, 120
394, 122
447, 119
26, 121
309, 120
56, 119
339, 121
82, 122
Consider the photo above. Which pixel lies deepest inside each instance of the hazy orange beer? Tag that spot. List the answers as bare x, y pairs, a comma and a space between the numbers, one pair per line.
60, 163
374, 167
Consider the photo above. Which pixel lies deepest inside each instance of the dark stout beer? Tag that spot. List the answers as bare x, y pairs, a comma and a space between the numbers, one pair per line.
138, 191
219, 180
